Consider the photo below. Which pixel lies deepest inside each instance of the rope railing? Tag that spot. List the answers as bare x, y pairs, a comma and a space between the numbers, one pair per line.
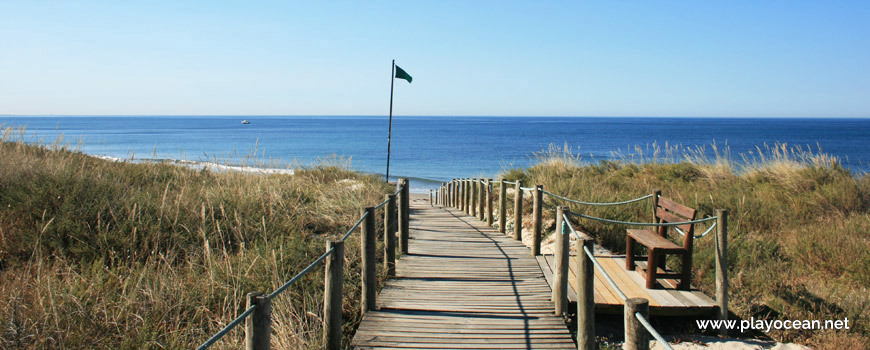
382, 204
597, 204
653, 331
620, 222
528, 188
350, 231
226, 329
510, 182
238, 320
709, 229
303, 273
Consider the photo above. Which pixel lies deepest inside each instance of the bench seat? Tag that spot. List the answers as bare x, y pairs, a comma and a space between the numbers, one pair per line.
651, 240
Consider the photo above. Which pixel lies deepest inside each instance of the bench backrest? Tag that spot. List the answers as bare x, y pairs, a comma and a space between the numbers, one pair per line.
670, 211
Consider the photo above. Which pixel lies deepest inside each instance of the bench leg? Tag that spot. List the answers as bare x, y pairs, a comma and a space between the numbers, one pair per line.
651, 263
629, 253
686, 280
662, 261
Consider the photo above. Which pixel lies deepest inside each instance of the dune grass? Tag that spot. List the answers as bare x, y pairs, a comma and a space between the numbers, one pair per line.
102, 254
799, 225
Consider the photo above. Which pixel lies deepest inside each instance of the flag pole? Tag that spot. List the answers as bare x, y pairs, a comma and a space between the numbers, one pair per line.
390, 132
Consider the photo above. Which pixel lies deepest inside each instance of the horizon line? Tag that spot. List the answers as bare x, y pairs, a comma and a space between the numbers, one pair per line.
430, 116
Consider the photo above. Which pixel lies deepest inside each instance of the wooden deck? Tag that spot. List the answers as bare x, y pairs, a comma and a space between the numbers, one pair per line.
463, 286
632, 284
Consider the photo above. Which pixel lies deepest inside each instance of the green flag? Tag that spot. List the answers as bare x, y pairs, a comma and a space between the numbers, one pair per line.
401, 74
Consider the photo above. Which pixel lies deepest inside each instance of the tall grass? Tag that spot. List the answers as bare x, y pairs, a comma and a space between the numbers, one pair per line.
104, 254
799, 226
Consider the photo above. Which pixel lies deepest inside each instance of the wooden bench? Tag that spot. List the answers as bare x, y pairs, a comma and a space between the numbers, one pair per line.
660, 247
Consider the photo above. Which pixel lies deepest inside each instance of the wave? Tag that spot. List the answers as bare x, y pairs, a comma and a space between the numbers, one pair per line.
200, 165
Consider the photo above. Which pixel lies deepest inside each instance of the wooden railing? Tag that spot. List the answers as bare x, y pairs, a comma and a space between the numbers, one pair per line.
258, 312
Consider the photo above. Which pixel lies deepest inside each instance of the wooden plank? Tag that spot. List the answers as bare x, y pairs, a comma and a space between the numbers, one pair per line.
662, 298
625, 284
677, 208
546, 268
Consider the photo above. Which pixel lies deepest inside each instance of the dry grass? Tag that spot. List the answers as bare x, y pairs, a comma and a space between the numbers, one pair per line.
103, 254
799, 226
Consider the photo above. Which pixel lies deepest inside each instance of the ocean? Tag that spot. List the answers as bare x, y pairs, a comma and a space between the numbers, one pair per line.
433, 149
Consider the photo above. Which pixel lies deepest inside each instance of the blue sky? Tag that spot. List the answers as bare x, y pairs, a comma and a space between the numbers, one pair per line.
592, 58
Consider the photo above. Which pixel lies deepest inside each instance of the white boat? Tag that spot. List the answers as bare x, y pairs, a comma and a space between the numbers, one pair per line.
245, 122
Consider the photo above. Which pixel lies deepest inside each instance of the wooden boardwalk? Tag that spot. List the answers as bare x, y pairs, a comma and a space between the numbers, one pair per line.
463, 286
632, 284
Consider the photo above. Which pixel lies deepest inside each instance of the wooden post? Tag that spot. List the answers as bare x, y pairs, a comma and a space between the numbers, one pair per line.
536, 211
430, 198
473, 192
489, 202
465, 198
390, 235
636, 336
456, 188
456, 194
722, 266
465, 193
656, 194
585, 295
258, 326
472, 209
453, 193
560, 283
481, 199
502, 206
333, 282
405, 216
367, 253
518, 211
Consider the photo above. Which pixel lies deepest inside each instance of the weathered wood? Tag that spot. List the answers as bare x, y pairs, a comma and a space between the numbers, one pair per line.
390, 235
467, 194
656, 194
537, 207
474, 198
453, 195
488, 202
560, 288
404, 216
502, 206
443, 198
334, 281
481, 199
585, 295
458, 195
258, 326
636, 336
367, 267
518, 211
722, 266
466, 199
